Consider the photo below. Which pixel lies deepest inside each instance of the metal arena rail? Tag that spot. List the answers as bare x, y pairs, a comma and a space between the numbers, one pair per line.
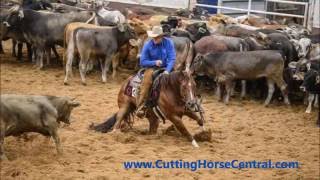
249, 10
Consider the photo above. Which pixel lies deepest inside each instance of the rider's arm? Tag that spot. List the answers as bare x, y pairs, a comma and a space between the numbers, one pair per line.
171, 56
145, 59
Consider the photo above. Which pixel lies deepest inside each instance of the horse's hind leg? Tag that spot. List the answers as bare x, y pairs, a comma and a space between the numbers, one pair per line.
183, 130
153, 123
122, 113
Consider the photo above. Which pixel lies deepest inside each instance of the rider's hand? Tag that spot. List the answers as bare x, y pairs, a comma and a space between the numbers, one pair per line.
165, 72
158, 63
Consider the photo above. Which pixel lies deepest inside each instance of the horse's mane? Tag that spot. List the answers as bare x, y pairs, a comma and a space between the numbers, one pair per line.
172, 80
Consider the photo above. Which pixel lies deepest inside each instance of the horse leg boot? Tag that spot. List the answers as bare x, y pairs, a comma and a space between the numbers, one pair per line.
144, 92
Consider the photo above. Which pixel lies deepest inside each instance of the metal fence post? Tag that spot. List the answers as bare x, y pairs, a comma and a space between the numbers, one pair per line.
219, 4
305, 20
249, 7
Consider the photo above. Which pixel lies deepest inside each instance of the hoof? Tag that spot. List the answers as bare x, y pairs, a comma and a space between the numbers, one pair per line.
84, 83
308, 111
66, 83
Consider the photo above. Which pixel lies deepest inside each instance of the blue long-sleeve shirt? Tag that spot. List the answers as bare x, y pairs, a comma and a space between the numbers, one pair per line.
164, 51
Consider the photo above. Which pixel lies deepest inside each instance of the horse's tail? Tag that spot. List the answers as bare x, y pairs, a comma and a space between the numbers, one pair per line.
105, 126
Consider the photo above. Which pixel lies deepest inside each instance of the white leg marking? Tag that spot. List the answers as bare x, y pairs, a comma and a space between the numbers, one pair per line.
195, 144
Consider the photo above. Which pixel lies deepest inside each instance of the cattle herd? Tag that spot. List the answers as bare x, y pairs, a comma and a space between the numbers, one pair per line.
249, 53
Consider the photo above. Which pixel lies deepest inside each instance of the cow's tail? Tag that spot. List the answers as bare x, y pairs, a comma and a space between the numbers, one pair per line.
243, 45
70, 48
105, 126
190, 56
65, 45
91, 18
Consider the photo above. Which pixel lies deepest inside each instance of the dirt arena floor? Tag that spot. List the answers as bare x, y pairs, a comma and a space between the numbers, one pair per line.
244, 130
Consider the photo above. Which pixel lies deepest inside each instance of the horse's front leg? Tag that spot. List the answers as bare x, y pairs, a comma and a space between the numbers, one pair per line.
177, 121
195, 116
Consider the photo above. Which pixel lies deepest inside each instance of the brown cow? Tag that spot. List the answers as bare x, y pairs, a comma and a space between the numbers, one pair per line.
206, 45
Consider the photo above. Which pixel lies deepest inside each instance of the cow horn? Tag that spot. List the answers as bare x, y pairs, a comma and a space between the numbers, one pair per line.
21, 14
133, 42
293, 65
262, 35
6, 24
74, 103
120, 27
15, 8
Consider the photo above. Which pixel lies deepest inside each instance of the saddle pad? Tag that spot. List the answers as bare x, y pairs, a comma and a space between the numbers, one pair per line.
132, 88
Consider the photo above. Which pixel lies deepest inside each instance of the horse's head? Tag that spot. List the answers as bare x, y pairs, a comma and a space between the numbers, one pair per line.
188, 91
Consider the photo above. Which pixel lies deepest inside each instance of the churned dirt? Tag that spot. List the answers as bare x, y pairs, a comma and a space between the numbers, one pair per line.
244, 130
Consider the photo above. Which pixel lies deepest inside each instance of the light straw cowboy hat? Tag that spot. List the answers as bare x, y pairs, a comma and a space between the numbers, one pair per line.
155, 32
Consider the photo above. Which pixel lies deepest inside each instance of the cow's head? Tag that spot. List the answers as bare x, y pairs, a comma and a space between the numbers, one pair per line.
199, 64
65, 106
198, 30
298, 69
126, 31
166, 27
135, 50
14, 17
311, 81
302, 46
139, 26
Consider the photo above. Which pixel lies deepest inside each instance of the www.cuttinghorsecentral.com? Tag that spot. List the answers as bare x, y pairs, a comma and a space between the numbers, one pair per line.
206, 164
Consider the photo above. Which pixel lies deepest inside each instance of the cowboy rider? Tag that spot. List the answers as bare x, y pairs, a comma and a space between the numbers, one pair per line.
158, 52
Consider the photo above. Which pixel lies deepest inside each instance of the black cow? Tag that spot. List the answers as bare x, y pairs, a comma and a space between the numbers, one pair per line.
41, 114
197, 31
172, 22
16, 36
311, 82
281, 42
36, 5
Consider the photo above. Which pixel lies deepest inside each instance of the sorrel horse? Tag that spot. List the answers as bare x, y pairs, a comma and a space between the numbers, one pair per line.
176, 98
